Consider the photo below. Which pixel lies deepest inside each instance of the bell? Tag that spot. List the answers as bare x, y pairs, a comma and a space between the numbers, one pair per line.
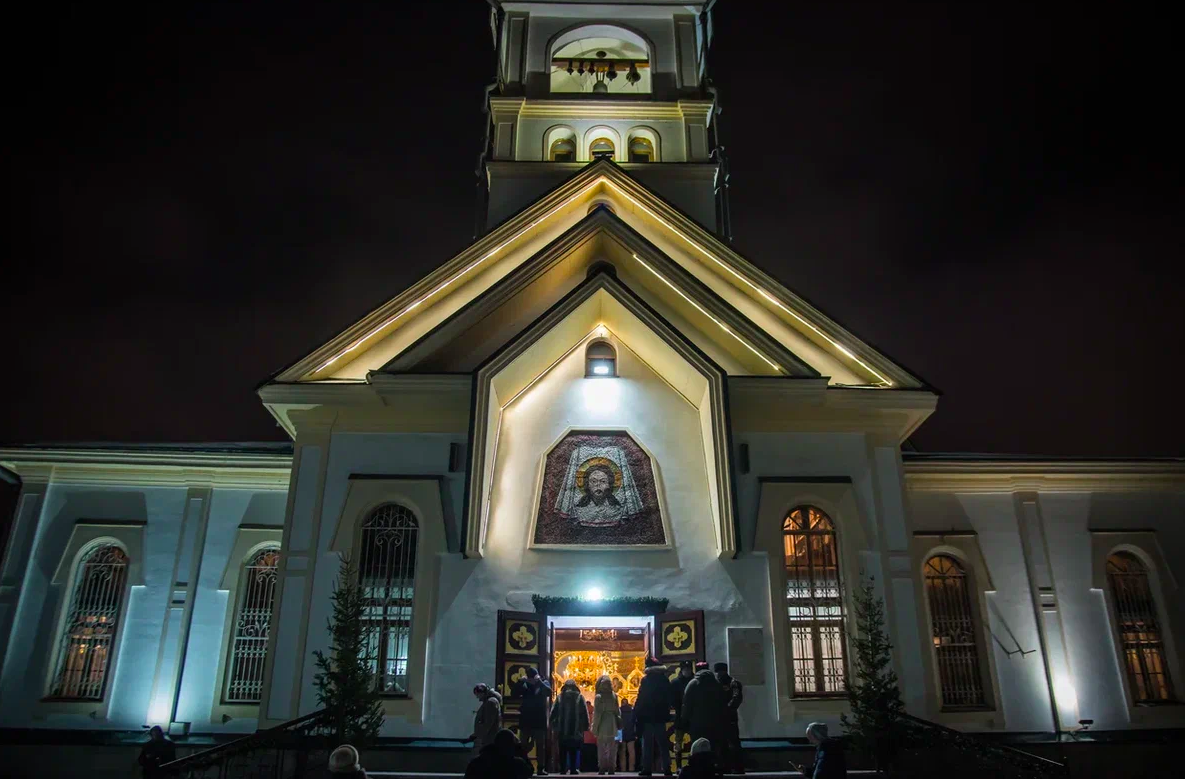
633, 77
600, 88
569, 67
612, 74
580, 67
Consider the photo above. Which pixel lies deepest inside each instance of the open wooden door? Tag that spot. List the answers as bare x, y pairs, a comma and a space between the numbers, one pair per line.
680, 639
522, 644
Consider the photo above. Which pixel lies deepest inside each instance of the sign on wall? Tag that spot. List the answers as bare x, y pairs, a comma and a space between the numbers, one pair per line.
746, 655
598, 489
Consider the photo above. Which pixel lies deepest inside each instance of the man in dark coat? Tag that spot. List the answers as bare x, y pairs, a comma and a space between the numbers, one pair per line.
158, 751
487, 720
702, 764
829, 757
705, 707
535, 693
569, 722
652, 712
677, 688
730, 742
499, 760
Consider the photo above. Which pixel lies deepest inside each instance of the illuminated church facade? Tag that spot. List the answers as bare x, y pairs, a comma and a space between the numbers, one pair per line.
597, 433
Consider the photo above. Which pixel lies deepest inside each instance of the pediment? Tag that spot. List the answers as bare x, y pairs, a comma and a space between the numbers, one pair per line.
454, 317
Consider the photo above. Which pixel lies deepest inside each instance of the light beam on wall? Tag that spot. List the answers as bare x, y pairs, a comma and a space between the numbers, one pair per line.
593, 593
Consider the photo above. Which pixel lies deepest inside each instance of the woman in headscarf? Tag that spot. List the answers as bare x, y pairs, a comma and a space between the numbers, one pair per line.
569, 721
606, 722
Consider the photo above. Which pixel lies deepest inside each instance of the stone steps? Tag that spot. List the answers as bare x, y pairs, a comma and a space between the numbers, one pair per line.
757, 774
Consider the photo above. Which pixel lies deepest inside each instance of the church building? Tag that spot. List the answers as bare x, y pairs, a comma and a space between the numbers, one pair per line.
595, 435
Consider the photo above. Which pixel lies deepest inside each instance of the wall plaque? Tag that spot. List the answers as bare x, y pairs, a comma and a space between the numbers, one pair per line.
746, 655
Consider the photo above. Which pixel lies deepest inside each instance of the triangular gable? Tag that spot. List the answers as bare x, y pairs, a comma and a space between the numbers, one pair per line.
756, 297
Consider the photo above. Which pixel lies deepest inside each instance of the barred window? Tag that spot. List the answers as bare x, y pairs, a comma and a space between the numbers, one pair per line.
952, 630
1139, 629
387, 573
257, 586
814, 603
88, 635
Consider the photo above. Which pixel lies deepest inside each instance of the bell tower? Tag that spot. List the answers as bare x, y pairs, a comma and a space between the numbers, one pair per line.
579, 81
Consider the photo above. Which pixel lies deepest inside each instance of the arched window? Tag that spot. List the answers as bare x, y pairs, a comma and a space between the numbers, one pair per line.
88, 635
248, 650
601, 147
387, 574
562, 150
952, 629
600, 360
814, 602
1140, 633
600, 59
641, 150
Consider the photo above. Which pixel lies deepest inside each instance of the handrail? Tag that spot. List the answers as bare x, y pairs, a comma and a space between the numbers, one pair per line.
1020, 759
260, 739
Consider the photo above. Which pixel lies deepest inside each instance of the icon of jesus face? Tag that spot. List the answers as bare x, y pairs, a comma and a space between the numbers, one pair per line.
599, 483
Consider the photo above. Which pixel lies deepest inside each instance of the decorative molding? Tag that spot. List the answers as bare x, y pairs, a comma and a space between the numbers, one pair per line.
624, 606
147, 468
983, 476
600, 109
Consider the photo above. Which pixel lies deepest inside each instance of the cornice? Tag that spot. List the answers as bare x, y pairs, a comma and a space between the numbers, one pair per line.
972, 476
132, 468
601, 109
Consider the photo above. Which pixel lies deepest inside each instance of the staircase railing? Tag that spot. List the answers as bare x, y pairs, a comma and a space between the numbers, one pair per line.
265, 754
1000, 759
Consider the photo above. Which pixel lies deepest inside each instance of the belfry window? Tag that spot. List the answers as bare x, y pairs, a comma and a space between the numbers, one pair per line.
92, 620
641, 150
601, 148
562, 150
387, 573
257, 583
953, 633
600, 360
814, 603
1140, 634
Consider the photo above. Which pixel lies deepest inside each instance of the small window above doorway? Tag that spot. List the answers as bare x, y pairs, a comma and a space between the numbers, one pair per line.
563, 150
600, 360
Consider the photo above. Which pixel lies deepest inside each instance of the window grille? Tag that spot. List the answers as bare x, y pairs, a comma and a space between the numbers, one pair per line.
88, 636
252, 627
387, 572
1140, 633
952, 630
814, 603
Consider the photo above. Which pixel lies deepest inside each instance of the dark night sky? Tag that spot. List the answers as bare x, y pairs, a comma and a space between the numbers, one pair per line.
989, 193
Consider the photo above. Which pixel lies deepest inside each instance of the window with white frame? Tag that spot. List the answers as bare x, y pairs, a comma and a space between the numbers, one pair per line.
814, 603
252, 626
387, 573
91, 622
953, 633
1140, 633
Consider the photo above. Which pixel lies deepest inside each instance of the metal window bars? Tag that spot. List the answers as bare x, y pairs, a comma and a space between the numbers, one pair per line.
814, 603
387, 572
88, 634
1139, 629
252, 627
952, 631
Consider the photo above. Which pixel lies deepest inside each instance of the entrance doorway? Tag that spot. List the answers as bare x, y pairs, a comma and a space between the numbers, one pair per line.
584, 649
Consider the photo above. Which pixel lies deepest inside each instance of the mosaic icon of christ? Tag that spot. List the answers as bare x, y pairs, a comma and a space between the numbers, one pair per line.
599, 489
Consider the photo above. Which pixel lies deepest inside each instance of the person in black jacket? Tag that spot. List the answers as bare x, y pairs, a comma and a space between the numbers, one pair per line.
705, 707
652, 712
535, 693
629, 737
702, 764
730, 742
499, 760
677, 689
829, 757
158, 751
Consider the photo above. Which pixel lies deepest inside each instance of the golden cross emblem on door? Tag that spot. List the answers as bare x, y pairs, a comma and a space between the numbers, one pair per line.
677, 636
522, 636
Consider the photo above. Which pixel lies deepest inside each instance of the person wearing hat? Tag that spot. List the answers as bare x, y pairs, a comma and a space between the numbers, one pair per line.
678, 686
730, 744
535, 693
499, 759
158, 751
829, 757
569, 722
702, 764
652, 712
343, 763
487, 719
705, 705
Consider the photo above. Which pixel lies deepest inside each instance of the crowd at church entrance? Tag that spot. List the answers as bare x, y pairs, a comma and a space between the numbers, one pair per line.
609, 735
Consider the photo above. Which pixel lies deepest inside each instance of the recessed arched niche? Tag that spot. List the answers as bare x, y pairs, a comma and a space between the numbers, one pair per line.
600, 59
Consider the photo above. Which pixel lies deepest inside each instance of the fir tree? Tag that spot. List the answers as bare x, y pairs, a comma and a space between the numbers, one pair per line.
345, 685
875, 727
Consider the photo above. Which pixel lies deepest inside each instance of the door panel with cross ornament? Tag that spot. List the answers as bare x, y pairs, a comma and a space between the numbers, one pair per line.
680, 638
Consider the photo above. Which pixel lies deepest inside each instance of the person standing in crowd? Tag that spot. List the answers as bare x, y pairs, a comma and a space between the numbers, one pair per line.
704, 707
344, 763
730, 741
588, 751
535, 693
158, 751
677, 689
702, 764
569, 721
830, 762
605, 724
487, 721
629, 737
499, 759
652, 712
